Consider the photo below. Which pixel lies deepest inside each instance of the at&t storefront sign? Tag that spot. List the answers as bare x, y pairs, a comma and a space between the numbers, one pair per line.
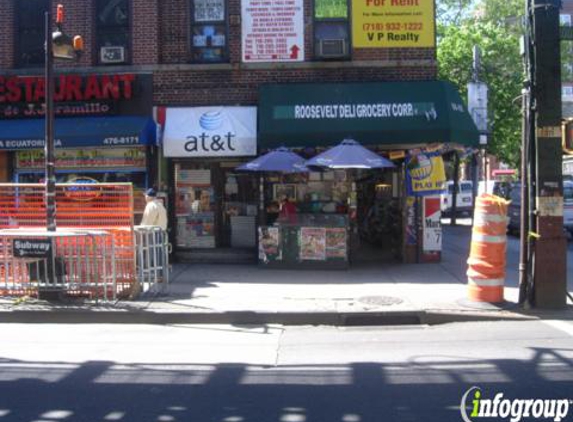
210, 132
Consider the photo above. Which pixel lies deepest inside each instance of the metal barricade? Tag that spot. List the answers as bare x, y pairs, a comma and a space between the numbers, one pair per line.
83, 263
152, 254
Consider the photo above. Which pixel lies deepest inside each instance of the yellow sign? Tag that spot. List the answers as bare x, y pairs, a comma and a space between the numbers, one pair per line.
393, 23
425, 174
396, 155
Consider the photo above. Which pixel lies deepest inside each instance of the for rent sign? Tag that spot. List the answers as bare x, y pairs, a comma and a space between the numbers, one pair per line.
393, 23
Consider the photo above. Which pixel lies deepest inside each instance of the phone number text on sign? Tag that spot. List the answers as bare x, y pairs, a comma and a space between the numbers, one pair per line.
272, 30
393, 23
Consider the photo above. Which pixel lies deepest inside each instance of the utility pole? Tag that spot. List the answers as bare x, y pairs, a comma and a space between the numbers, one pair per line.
548, 242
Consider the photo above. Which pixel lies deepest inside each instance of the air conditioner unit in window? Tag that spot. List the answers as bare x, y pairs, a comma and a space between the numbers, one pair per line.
114, 54
332, 48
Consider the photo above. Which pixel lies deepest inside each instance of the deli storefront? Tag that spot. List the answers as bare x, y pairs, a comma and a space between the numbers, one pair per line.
375, 214
103, 129
213, 208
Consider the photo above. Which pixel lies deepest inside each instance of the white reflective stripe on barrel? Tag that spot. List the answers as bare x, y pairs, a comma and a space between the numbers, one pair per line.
492, 282
478, 237
479, 219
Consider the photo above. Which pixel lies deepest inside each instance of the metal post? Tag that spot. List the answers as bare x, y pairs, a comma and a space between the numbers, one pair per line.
49, 156
456, 188
524, 209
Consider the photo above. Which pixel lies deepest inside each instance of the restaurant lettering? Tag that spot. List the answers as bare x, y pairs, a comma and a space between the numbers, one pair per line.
363, 111
24, 96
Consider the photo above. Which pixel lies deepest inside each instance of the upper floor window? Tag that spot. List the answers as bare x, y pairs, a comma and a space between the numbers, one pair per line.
331, 29
565, 20
112, 31
29, 40
208, 31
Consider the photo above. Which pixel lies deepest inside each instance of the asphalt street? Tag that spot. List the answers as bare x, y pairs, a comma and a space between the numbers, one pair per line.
139, 373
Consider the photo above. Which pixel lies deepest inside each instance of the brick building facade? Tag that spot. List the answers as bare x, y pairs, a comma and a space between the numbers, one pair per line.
192, 52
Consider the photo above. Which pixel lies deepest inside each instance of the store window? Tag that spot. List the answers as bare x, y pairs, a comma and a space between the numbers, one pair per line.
112, 31
30, 36
208, 31
331, 29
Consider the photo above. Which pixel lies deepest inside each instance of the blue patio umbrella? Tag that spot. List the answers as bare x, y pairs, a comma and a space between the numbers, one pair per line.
279, 160
349, 154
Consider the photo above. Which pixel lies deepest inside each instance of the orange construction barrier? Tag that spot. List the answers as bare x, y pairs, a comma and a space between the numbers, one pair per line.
486, 271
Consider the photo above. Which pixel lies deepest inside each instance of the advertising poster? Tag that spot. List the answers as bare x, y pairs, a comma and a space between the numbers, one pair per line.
85, 158
389, 23
411, 229
431, 225
272, 31
312, 244
269, 244
425, 174
336, 243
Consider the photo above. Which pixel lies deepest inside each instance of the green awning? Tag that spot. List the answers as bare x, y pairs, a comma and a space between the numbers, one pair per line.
383, 114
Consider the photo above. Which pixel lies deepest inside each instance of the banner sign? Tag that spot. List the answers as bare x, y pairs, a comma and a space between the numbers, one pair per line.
272, 30
393, 23
425, 174
210, 132
116, 158
431, 225
31, 248
76, 95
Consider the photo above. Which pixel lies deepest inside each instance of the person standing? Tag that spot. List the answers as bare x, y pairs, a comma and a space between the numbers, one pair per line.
155, 213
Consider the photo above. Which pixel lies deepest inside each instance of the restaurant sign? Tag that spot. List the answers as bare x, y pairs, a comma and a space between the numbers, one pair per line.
76, 95
393, 23
210, 132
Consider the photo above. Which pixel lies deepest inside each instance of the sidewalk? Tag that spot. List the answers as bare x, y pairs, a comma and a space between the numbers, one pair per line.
369, 293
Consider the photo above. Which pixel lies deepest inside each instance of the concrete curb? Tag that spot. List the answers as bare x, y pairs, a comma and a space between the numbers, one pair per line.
88, 316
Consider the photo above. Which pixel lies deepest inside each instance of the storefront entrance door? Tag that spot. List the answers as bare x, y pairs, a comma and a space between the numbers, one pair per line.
215, 207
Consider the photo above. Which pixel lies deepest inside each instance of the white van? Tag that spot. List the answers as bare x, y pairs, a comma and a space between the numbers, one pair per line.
464, 198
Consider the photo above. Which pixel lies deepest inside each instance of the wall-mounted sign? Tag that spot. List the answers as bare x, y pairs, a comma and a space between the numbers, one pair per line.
82, 189
210, 132
392, 23
272, 30
76, 95
116, 158
425, 174
31, 248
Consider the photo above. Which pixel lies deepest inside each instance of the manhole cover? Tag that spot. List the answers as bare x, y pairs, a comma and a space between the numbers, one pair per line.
380, 300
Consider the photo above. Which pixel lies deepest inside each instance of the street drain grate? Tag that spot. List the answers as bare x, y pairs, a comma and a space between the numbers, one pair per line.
380, 300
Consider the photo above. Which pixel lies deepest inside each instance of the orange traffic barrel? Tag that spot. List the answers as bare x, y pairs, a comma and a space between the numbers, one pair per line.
486, 263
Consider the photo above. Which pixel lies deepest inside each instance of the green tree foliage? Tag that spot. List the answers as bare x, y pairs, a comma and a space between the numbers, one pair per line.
493, 26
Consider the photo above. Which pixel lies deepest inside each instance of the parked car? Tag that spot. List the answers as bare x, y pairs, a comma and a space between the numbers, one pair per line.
464, 198
495, 187
514, 209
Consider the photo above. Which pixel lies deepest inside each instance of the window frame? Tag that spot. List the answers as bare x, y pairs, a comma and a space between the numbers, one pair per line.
128, 32
193, 24
346, 21
18, 37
